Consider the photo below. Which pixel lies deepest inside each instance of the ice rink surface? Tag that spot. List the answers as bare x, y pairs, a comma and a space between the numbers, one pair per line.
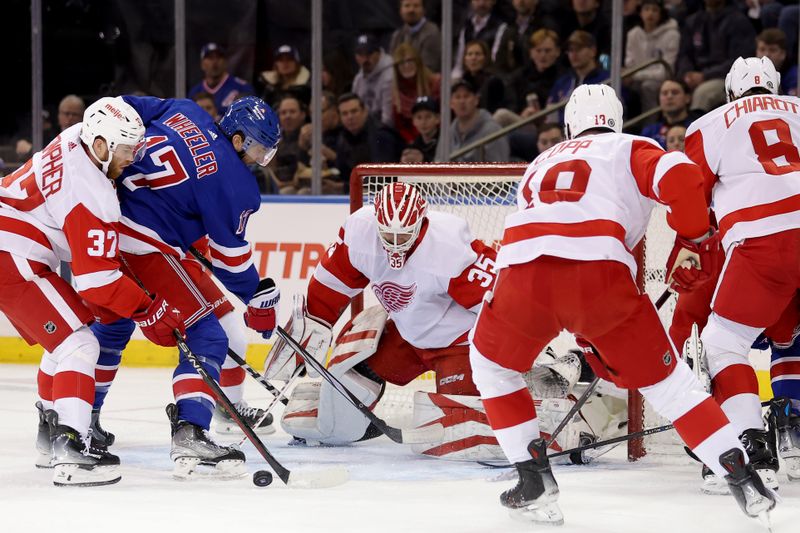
390, 488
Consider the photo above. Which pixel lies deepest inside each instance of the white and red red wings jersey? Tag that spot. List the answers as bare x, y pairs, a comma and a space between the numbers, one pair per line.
590, 199
748, 151
433, 299
60, 207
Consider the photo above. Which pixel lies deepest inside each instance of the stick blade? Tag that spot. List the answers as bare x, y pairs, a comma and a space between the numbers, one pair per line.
318, 479
423, 435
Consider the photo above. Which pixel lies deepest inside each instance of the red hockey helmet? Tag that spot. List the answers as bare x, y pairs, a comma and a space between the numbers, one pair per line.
400, 210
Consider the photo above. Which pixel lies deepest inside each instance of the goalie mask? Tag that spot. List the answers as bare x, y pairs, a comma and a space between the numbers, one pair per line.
751, 73
592, 106
400, 211
119, 125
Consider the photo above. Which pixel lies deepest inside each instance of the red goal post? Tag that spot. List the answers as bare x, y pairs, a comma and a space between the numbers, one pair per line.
483, 194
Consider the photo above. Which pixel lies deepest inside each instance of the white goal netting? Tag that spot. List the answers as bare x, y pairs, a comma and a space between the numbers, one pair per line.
483, 194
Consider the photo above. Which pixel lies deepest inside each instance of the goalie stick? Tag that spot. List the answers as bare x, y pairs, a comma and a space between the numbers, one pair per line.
308, 479
426, 434
432, 433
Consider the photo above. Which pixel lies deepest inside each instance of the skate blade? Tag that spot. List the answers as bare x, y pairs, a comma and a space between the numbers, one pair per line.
72, 475
715, 486
233, 429
191, 468
547, 514
44, 461
318, 479
765, 520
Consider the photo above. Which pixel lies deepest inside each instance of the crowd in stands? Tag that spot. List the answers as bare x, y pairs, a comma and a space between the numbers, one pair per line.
512, 59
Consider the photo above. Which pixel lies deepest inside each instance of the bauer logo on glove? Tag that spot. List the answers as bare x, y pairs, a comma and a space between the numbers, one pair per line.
262, 309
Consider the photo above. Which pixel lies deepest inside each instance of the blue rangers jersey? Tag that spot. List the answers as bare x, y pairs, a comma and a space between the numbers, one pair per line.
190, 183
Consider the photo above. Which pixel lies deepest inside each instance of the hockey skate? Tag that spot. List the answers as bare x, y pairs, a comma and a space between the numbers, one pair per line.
193, 448
534, 497
787, 426
101, 439
760, 448
44, 447
75, 463
253, 416
746, 486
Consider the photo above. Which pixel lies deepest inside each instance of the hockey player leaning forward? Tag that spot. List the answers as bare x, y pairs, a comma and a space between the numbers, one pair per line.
755, 189
429, 274
61, 206
194, 183
565, 263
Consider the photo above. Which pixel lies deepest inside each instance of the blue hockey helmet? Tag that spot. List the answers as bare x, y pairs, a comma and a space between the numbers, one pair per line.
254, 119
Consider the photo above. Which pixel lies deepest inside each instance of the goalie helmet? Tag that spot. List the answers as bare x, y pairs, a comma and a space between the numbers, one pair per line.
257, 122
592, 106
118, 124
400, 210
750, 73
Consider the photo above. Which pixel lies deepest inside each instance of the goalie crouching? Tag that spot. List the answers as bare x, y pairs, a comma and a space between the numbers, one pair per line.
430, 276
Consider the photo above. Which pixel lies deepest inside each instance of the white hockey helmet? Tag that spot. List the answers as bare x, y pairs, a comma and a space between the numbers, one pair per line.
400, 211
749, 73
118, 123
592, 106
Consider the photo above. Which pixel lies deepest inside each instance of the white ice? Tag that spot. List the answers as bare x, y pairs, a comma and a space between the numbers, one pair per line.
390, 490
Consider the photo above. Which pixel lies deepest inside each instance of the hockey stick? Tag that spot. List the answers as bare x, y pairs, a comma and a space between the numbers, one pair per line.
593, 385
258, 377
598, 444
432, 433
307, 479
426, 434
280, 395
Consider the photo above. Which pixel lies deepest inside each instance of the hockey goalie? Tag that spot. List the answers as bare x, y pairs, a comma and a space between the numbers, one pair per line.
429, 275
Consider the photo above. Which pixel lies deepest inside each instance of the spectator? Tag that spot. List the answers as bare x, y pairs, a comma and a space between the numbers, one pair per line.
711, 40
373, 82
288, 76
789, 24
477, 70
582, 56
206, 101
364, 139
550, 134
772, 43
420, 33
331, 128
412, 79
426, 121
482, 25
291, 115
529, 19
70, 111
471, 124
589, 18
674, 99
675, 138
217, 81
412, 154
534, 81
657, 37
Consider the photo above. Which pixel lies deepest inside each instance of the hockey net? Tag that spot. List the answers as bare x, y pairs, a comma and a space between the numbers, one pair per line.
483, 194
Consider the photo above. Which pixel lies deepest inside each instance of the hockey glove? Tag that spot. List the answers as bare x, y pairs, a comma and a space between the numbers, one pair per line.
262, 309
693, 262
159, 321
590, 355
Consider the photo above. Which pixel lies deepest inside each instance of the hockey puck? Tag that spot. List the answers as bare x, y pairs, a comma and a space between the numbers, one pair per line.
262, 478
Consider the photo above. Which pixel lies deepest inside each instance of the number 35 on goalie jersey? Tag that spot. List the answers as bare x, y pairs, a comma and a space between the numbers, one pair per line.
433, 299
590, 199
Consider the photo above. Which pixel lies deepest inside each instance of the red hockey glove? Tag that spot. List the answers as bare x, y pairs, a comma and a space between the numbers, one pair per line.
262, 310
691, 264
159, 321
590, 355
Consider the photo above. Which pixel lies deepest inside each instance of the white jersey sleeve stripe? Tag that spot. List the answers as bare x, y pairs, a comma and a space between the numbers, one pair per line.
325, 277
94, 280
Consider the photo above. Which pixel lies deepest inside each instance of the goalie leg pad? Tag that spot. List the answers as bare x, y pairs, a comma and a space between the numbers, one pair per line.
467, 433
317, 412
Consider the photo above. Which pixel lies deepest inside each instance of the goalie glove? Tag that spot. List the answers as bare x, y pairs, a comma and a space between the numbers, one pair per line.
693, 262
262, 309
